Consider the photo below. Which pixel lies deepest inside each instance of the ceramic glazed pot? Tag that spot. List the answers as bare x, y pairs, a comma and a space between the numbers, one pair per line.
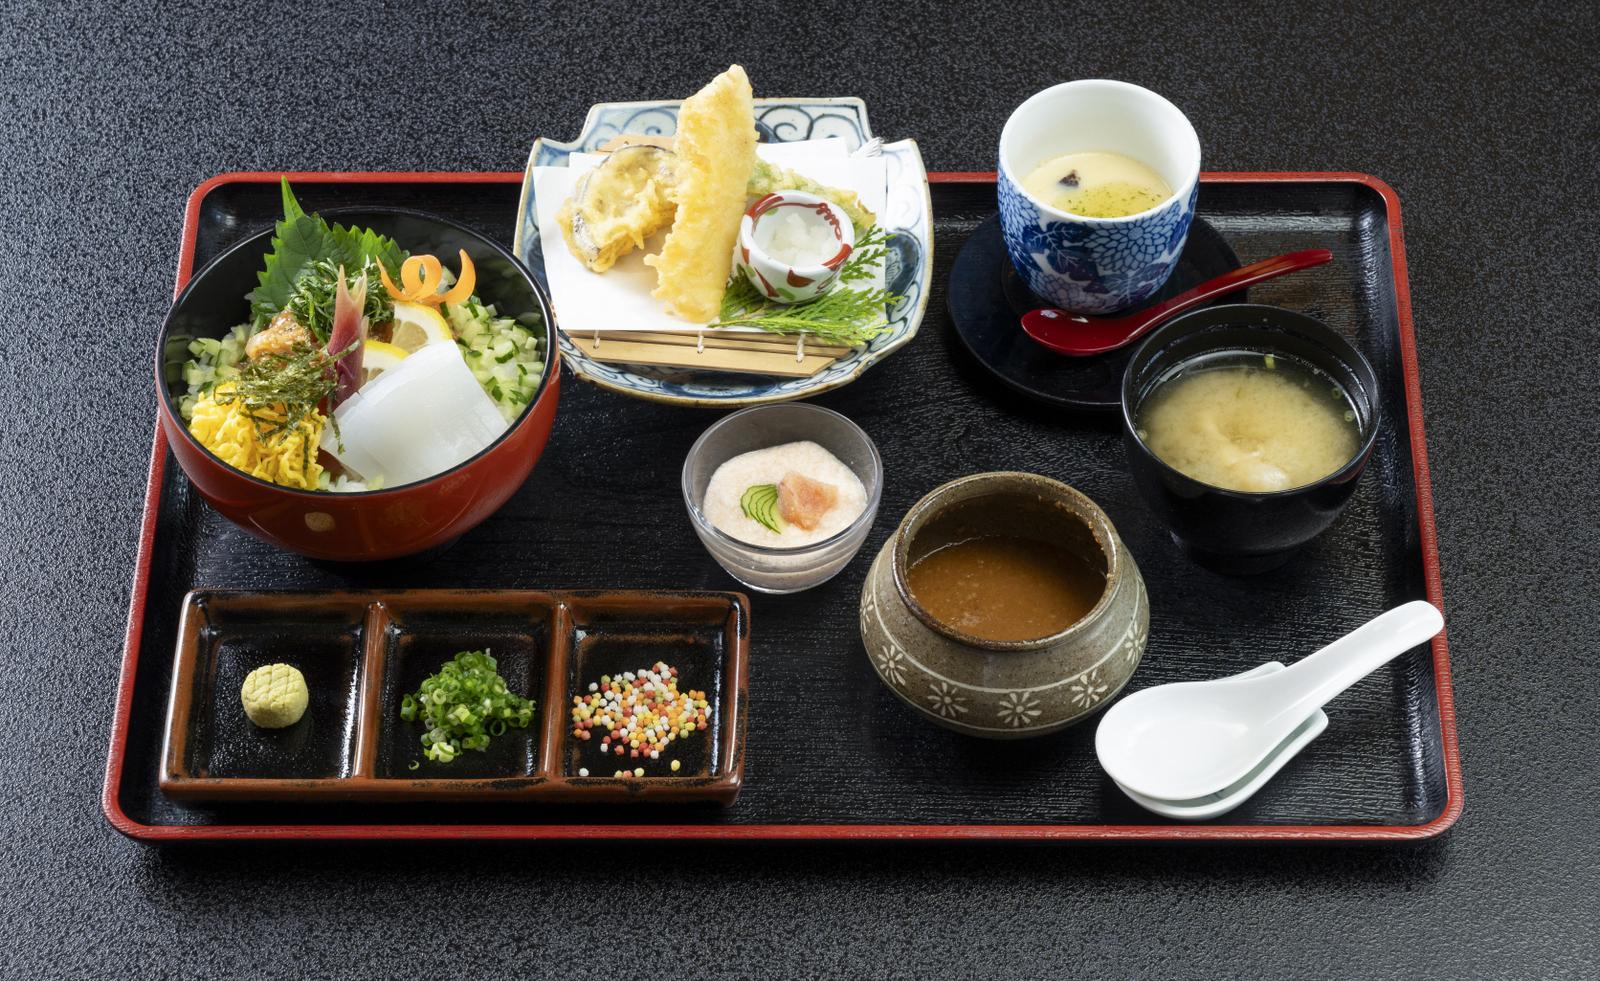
370, 525
1004, 689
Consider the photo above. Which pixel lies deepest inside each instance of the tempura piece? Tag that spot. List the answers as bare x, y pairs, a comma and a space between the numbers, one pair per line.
766, 178
618, 205
716, 151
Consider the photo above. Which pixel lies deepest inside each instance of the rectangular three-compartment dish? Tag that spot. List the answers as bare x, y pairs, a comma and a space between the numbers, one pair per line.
829, 753
363, 651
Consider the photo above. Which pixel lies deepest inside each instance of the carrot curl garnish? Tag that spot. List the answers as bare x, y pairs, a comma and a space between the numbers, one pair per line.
420, 277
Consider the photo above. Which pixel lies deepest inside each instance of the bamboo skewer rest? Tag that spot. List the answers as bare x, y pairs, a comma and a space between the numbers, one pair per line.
712, 350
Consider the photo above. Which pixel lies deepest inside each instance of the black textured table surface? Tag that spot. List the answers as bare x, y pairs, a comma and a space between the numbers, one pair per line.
1485, 121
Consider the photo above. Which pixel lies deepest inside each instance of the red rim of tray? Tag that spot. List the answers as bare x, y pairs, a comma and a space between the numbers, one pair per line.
111, 795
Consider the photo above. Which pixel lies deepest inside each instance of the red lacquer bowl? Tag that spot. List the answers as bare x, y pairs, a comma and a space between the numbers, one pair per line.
369, 525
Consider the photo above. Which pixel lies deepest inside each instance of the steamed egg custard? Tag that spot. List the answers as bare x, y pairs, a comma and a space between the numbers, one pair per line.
1248, 421
1097, 184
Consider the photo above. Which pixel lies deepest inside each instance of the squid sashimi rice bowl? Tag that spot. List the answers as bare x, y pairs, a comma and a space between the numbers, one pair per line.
361, 366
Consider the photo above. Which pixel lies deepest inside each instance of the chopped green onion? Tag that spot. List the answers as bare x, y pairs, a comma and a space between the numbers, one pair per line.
463, 704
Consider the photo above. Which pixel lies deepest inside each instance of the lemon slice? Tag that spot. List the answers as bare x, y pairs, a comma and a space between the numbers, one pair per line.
378, 357
416, 325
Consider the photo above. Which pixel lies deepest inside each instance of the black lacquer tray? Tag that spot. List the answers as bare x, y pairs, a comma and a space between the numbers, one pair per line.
830, 753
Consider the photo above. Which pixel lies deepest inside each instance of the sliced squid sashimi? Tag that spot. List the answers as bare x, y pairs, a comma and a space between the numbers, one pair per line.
802, 501
349, 327
419, 418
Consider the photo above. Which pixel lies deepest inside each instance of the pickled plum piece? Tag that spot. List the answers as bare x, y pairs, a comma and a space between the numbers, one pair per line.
802, 501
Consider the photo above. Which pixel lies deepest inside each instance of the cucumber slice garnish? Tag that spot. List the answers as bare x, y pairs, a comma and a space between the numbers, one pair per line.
760, 504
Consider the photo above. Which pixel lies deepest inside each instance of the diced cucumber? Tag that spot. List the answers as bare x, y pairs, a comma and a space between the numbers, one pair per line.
214, 360
503, 354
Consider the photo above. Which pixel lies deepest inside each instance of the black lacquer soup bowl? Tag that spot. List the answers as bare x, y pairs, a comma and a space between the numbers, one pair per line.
1232, 531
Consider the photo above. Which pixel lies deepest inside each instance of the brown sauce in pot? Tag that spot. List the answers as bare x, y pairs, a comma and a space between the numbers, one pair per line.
997, 587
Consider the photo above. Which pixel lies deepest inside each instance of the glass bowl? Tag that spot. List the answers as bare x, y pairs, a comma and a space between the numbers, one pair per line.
781, 570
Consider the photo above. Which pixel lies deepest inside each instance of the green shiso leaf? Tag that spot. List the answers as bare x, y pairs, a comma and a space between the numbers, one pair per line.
300, 243
291, 207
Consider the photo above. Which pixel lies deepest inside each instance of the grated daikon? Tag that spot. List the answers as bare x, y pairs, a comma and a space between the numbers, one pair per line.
797, 236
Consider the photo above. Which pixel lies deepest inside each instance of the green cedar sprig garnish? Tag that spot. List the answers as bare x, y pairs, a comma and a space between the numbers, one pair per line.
870, 251
463, 705
760, 504
849, 316
300, 243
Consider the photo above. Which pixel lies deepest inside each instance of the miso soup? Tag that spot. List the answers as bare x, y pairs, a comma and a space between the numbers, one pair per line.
1249, 421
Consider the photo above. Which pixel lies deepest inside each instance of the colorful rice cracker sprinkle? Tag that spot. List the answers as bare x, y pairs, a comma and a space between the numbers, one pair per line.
639, 714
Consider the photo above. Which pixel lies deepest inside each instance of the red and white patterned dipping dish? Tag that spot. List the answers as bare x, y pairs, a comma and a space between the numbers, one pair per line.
782, 281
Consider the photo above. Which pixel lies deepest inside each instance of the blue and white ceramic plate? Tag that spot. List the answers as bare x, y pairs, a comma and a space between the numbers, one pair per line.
909, 271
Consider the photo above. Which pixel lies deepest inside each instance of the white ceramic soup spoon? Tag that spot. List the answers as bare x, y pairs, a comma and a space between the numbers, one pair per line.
1225, 800
1184, 741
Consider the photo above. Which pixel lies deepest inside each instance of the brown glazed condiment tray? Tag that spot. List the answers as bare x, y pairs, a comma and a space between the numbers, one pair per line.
362, 651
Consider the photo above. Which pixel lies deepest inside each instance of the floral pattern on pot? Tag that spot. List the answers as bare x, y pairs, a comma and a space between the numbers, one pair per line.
891, 665
998, 712
1093, 266
1138, 635
946, 699
1018, 708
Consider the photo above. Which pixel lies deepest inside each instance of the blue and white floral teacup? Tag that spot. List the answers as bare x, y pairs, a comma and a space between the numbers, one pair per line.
1097, 265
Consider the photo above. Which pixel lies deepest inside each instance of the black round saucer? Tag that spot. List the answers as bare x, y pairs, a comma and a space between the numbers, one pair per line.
987, 300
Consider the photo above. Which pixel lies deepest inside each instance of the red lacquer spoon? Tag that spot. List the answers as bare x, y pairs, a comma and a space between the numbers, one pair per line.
1079, 336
